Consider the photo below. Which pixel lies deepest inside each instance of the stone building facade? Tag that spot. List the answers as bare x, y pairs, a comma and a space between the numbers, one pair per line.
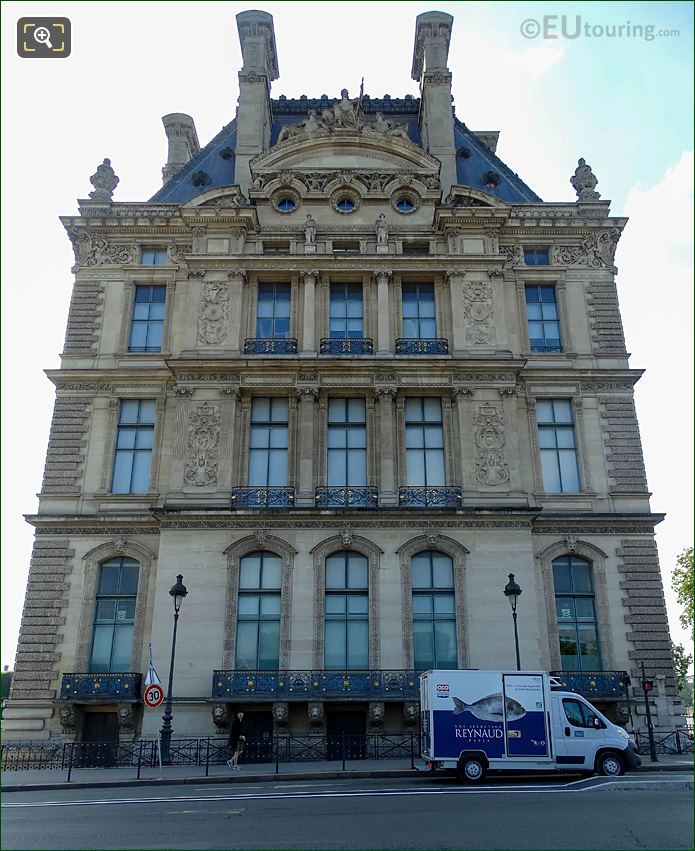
345, 372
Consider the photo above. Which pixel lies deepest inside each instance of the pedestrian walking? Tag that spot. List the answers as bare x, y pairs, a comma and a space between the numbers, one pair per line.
236, 741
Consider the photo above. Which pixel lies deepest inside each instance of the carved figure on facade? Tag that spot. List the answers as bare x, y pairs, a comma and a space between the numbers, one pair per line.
202, 446
345, 112
281, 713
126, 718
377, 711
491, 466
177, 253
220, 715
315, 712
92, 250
346, 537
478, 311
213, 321
104, 181
68, 718
584, 182
411, 712
596, 251
382, 230
310, 226
311, 126
235, 200
261, 536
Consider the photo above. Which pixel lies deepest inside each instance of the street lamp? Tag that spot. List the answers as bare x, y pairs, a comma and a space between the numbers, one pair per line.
177, 591
512, 592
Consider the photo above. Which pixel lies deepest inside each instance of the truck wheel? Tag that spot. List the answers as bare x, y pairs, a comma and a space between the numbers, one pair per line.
610, 764
471, 770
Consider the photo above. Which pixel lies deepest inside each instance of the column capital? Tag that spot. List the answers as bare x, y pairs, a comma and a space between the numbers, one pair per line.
462, 393
237, 274
455, 273
385, 392
309, 273
383, 274
307, 394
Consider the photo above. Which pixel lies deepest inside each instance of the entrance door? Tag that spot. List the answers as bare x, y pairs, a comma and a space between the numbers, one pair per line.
346, 734
99, 740
259, 736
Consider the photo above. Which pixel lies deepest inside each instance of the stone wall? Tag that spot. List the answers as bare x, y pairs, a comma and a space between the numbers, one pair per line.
84, 318
66, 445
624, 448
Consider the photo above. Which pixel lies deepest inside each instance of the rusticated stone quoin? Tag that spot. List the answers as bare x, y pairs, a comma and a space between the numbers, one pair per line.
66, 444
604, 317
39, 637
623, 445
84, 318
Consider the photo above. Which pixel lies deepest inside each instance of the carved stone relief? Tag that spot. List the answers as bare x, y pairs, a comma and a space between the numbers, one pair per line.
597, 251
213, 320
491, 466
478, 311
92, 250
202, 446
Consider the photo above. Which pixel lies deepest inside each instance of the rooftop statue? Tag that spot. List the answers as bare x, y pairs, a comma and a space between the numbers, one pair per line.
584, 182
104, 182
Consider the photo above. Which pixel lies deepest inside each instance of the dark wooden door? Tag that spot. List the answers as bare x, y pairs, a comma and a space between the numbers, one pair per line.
258, 727
346, 734
99, 739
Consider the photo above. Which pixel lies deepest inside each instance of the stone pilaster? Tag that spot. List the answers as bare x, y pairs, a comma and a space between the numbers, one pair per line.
388, 495
384, 345
309, 324
307, 397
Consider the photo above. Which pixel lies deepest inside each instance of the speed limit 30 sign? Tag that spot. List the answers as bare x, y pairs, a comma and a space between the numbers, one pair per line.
153, 696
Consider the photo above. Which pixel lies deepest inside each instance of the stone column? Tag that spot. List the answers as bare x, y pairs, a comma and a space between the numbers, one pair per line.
388, 494
309, 322
305, 449
464, 397
384, 348
458, 324
237, 279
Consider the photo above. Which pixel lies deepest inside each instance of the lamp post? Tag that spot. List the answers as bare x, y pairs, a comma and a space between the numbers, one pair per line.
512, 592
178, 591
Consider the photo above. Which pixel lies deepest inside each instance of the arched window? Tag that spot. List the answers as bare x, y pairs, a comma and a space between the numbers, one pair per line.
112, 636
346, 629
258, 612
434, 611
575, 604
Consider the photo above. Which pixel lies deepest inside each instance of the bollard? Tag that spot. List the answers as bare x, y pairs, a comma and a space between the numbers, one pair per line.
277, 754
412, 752
139, 760
207, 758
72, 750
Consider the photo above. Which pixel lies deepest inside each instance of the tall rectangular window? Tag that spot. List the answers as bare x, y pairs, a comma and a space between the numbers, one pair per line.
536, 256
148, 319
541, 312
558, 446
346, 635
424, 442
273, 313
258, 612
419, 316
575, 605
268, 444
434, 611
112, 636
347, 443
131, 467
346, 311
153, 255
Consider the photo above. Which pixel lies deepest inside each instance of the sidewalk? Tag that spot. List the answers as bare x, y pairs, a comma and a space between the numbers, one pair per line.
83, 778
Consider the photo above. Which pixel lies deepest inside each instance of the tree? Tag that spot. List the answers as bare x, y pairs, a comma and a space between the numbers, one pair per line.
682, 581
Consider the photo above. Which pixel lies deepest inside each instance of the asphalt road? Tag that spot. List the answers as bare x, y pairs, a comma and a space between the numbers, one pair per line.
415, 813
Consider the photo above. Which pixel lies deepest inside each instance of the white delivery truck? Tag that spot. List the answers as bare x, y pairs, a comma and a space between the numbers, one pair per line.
475, 721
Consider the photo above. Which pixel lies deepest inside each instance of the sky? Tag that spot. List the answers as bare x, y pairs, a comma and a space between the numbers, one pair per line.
624, 102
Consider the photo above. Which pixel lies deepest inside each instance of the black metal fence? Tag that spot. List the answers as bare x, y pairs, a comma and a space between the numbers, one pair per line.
206, 753
666, 741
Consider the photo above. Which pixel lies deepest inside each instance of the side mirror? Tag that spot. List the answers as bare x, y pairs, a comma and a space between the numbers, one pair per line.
598, 723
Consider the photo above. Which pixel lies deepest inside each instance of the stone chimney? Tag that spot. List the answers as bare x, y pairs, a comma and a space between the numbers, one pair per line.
260, 68
183, 142
430, 69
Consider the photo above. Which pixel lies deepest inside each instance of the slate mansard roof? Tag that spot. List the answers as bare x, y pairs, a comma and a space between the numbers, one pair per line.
474, 159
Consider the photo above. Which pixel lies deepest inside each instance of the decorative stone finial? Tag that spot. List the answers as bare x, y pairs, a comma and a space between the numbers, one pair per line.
584, 182
104, 182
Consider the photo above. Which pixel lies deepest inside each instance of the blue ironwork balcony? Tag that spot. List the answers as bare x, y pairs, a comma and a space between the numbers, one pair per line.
120, 686
430, 497
414, 346
315, 685
594, 683
346, 497
270, 346
261, 497
346, 346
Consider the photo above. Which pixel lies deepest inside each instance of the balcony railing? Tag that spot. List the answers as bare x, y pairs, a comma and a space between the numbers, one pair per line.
315, 685
411, 497
270, 346
346, 346
346, 497
120, 686
261, 497
413, 346
594, 683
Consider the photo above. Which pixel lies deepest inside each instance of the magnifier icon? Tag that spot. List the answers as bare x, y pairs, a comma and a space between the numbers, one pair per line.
43, 36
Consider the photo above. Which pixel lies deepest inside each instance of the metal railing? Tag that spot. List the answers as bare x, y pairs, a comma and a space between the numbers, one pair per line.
208, 752
666, 741
430, 497
415, 346
316, 685
349, 497
270, 346
262, 497
346, 346
121, 686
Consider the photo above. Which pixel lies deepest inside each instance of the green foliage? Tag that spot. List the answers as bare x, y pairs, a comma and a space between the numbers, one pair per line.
5, 684
683, 582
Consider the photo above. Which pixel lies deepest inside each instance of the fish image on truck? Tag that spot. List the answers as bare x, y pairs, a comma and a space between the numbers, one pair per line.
480, 721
